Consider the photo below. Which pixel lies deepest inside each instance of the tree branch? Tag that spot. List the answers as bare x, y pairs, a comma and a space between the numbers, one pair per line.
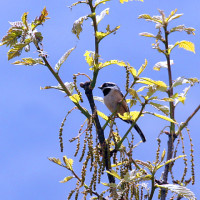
100, 132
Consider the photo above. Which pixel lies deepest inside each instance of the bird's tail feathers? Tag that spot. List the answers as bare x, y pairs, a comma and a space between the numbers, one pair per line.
137, 128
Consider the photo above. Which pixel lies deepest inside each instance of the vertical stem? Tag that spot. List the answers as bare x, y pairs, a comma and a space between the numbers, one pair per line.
172, 108
96, 58
152, 187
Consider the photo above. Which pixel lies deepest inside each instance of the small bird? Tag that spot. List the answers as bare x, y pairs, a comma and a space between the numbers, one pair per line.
112, 98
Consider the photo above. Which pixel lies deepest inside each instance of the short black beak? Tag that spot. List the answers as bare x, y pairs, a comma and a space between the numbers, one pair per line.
100, 87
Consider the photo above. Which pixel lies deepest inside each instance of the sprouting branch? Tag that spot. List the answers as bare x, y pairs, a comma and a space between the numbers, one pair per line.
61, 82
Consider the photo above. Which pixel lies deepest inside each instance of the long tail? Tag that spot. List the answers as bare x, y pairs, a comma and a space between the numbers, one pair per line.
137, 128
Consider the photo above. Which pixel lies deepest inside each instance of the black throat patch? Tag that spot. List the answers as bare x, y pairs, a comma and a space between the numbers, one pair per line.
106, 91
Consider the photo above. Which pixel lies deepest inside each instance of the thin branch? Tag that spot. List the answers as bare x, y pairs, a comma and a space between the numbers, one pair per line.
184, 124
61, 82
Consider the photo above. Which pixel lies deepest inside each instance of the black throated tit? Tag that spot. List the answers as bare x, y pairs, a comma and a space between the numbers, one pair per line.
113, 98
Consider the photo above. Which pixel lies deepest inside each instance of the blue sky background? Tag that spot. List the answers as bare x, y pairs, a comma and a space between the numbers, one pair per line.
30, 118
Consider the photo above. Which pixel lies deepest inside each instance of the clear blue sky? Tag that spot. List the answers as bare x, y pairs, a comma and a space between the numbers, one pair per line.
30, 118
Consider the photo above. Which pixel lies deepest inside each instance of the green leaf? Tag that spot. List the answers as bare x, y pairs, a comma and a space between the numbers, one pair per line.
100, 99
76, 3
112, 185
63, 59
102, 15
89, 57
75, 98
98, 2
180, 190
102, 115
162, 117
68, 85
41, 19
66, 179
122, 1
142, 68
189, 46
147, 34
181, 28
160, 84
179, 81
113, 62
68, 162
24, 19
147, 17
55, 160
16, 49
29, 61
101, 35
77, 26
160, 107
134, 94
162, 64
145, 164
114, 173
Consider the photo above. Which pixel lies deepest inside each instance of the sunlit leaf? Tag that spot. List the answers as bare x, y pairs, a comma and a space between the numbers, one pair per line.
160, 107
68, 162
24, 19
55, 160
114, 173
66, 179
147, 34
189, 46
29, 61
142, 68
89, 57
134, 94
122, 1
102, 15
98, 2
98, 99
180, 28
101, 35
113, 62
180, 190
63, 59
16, 49
75, 98
162, 64
76, 3
161, 85
102, 115
162, 117
77, 26
68, 85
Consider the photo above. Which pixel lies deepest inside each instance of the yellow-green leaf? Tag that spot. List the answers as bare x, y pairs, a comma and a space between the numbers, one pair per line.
160, 107
162, 86
68, 162
66, 179
122, 1
29, 61
114, 173
102, 115
89, 57
125, 116
75, 98
162, 117
133, 71
134, 94
142, 68
113, 62
55, 160
189, 46
169, 161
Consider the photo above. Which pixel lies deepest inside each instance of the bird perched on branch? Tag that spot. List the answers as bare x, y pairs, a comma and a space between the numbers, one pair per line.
113, 98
